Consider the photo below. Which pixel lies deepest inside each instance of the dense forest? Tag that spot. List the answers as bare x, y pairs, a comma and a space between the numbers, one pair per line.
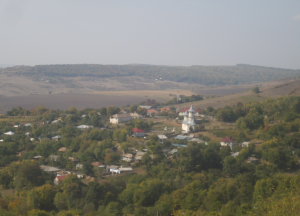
199, 179
205, 75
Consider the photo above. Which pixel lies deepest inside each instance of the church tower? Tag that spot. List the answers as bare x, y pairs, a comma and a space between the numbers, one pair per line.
188, 123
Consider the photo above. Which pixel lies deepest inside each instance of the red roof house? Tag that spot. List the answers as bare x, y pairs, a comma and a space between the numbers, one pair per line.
138, 132
227, 142
227, 139
59, 179
96, 164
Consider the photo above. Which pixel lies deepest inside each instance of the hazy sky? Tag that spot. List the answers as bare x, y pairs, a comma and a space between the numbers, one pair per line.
164, 32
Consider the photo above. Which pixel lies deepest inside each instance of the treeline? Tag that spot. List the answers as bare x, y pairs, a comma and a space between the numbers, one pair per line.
205, 75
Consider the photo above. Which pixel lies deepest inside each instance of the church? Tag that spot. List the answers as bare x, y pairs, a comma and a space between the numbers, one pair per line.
188, 123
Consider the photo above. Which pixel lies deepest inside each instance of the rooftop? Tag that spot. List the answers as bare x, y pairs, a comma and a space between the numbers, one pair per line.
227, 139
136, 130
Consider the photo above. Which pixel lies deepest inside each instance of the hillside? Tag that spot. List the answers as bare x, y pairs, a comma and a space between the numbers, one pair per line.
281, 89
204, 75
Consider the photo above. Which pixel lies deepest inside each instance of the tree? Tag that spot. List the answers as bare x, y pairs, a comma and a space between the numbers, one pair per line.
112, 158
231, 166
255, 90
95, 193
114, 209
149, 192
29, 174
103, 111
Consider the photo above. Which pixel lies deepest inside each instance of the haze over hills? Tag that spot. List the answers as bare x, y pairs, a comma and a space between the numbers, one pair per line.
204, 75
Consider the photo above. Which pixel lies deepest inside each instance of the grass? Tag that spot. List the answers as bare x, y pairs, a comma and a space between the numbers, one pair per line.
163, 95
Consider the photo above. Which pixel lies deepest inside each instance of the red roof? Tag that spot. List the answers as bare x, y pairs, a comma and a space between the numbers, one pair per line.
227, 139
152, 111
60, 178
96, 164
186, 109
135, 130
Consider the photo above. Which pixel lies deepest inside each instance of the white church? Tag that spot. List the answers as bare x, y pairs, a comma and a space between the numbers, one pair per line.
188, 123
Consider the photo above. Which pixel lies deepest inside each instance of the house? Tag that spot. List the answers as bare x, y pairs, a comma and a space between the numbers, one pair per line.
123, 111
27, 125
138, 132
62, 149
111, 167
125, 117
54, 157
55, 121
97, 164
127, 157
10, 133
181, 137
1, 140
27, 134
62, 173
151, 112
182, 112
227, 142
173, 151
56, 138
73, 159
196, 140
49, 169
59, 179
79, 166
235, 154
145, 107
162, 138
165, 109
31, 139
36, 157
83, 127
125, 169
252, 160
245, 144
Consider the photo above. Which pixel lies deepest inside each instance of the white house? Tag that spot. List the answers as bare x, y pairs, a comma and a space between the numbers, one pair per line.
188, 123
245, 144
82, 127
124, 117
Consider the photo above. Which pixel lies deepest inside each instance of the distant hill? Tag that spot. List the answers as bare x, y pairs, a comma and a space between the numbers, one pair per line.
205, 75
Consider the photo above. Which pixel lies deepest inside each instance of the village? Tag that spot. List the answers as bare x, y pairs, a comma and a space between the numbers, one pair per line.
185, 126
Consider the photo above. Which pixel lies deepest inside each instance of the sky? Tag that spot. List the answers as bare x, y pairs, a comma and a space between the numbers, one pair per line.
159, 32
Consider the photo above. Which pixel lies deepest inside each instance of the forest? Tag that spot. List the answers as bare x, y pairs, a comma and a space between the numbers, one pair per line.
199, 179
205, 75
